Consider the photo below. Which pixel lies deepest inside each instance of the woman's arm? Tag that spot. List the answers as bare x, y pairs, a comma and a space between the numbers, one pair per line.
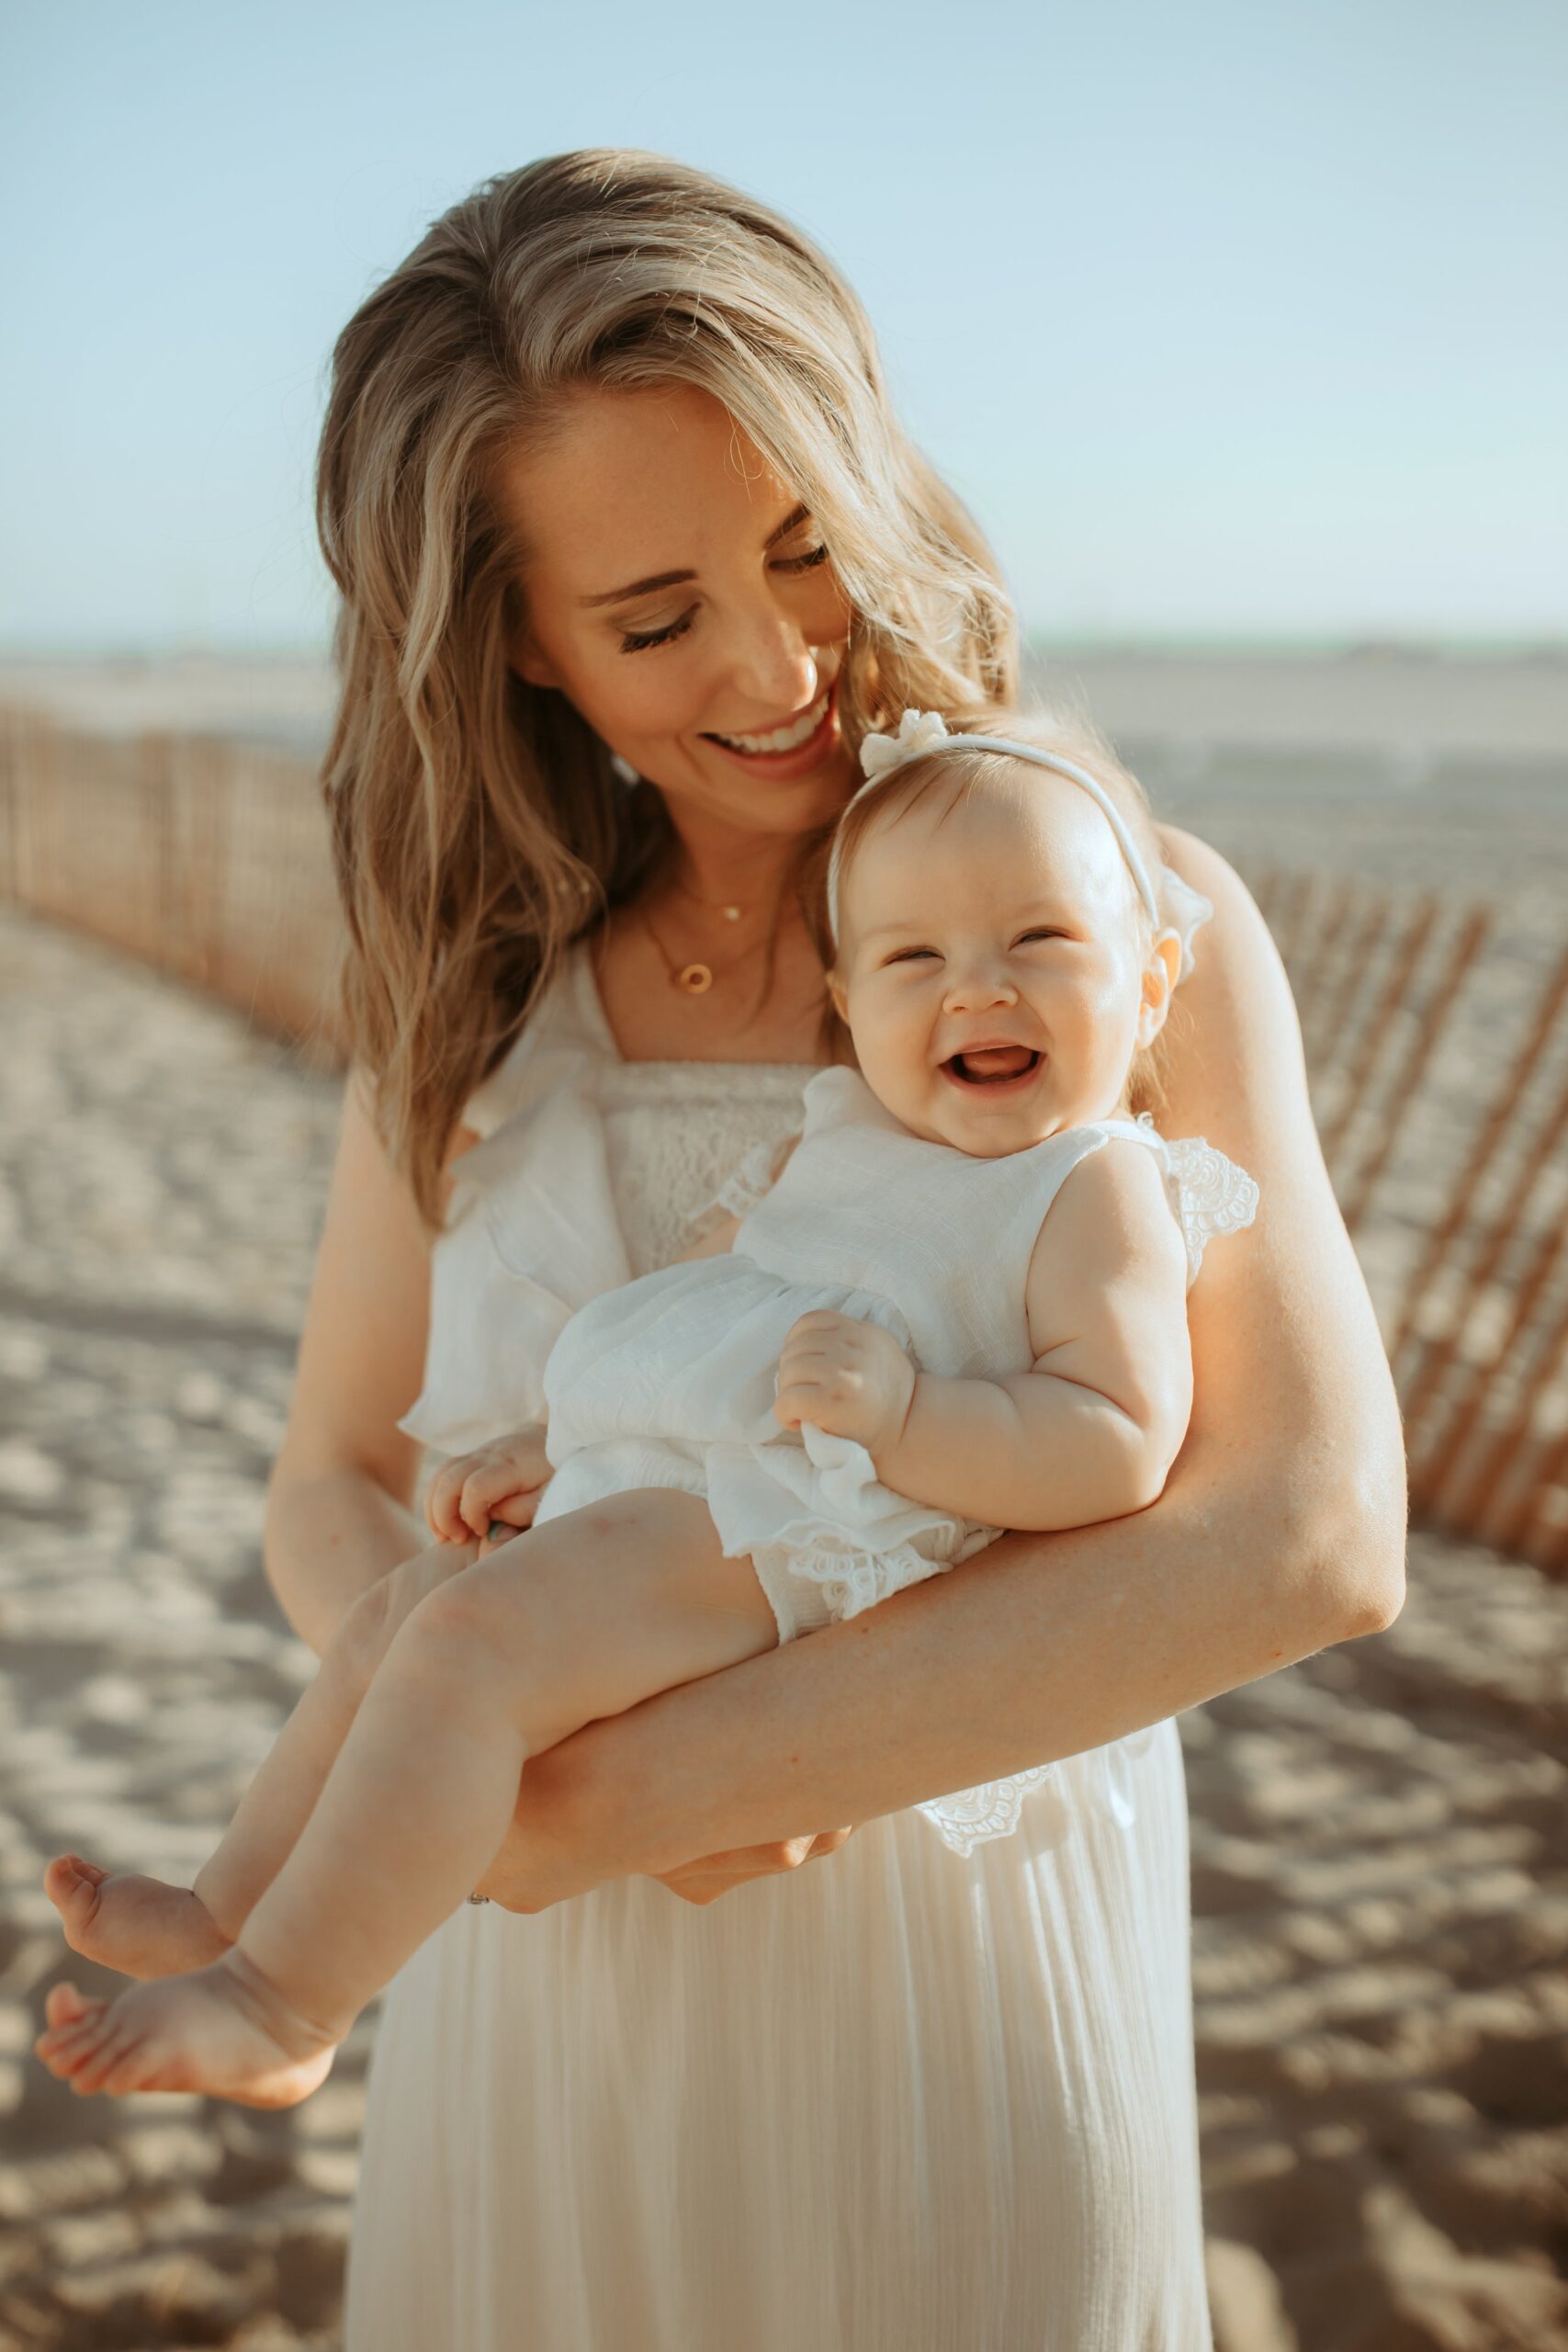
1281, 1531
339, 1512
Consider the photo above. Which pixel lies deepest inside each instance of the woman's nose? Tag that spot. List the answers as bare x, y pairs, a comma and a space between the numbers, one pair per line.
772, 664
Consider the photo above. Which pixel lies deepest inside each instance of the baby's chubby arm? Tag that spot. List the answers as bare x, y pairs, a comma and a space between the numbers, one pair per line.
1091, 1431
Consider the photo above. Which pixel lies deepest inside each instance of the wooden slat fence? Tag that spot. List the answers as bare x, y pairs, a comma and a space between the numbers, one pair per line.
1436, 1050
208, 859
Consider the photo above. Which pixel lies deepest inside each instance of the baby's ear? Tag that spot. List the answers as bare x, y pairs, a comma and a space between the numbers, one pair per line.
1161, 972
837, 996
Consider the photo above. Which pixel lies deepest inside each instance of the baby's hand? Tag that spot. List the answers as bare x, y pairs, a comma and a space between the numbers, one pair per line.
850, 1378
499, 1481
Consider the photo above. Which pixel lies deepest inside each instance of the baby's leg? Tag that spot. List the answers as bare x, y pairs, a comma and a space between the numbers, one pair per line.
146, 1928
581, 1618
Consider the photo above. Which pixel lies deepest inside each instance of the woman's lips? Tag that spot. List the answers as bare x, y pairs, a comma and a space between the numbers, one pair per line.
800, 759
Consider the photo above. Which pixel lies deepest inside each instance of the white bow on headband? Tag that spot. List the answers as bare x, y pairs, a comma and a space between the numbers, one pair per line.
922, 733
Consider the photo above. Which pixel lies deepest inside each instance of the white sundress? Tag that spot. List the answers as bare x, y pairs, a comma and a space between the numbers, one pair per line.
902, 2100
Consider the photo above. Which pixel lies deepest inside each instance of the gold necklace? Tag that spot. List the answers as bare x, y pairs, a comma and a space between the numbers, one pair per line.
692, 979
731, 913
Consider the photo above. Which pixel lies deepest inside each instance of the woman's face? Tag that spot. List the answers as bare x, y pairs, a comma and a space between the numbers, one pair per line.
679, 593
992, 965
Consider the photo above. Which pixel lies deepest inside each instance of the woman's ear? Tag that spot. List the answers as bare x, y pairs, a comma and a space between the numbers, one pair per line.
1161, 973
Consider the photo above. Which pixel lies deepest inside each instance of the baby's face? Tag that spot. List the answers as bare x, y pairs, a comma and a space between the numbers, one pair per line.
992, 967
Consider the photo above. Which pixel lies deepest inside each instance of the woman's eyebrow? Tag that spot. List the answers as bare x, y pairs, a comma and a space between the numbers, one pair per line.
792, 522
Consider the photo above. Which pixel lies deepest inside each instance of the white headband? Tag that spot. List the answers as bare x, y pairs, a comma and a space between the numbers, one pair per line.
922, 733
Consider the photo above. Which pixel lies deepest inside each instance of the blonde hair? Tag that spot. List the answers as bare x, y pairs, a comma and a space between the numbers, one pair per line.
960, 771
477, 828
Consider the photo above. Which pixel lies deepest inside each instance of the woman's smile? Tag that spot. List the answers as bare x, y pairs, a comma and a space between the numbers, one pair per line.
789, 751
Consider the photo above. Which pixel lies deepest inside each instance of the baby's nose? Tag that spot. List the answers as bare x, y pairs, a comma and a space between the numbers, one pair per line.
982, 982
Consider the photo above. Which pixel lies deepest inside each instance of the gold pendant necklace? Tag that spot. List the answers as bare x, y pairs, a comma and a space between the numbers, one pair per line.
692, 979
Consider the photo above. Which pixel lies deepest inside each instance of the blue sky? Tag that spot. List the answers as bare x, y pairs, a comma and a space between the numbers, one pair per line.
1228, 320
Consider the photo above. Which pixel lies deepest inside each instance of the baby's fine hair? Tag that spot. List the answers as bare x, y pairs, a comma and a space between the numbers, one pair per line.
961, 770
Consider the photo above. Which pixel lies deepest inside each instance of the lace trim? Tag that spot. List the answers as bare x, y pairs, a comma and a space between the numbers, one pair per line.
851, 1578
1213, 1194
970, 1818
743, 1189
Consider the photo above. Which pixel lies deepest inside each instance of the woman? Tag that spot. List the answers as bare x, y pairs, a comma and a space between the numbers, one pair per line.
608, 475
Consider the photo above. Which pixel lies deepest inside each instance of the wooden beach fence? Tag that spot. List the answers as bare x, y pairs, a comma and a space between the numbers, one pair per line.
1437, 1059
207, 859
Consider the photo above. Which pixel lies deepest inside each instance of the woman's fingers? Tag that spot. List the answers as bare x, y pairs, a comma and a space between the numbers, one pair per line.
704, 1881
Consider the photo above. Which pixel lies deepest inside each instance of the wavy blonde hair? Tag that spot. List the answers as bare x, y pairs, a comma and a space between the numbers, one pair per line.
478, 827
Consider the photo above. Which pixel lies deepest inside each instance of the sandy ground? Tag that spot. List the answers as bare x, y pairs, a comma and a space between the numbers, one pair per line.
1380, 1836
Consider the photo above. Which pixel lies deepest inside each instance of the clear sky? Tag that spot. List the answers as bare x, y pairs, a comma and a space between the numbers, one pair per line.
1228, 317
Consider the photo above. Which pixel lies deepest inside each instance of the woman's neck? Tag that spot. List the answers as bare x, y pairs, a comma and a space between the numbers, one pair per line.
719, 869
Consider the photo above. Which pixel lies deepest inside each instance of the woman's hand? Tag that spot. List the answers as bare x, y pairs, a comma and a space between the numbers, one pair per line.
846, 1377
704, 1881
531, 1873
501, 1481
550, 1853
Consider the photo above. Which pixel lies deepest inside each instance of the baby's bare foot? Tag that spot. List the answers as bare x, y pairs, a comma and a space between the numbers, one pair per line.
138, 1925
222, 2030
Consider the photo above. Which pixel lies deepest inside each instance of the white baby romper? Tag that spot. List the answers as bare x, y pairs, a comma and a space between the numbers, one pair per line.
897, 2101
671, 1381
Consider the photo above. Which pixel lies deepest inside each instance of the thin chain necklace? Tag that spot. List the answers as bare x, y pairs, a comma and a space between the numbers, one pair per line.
730, 912
695, 979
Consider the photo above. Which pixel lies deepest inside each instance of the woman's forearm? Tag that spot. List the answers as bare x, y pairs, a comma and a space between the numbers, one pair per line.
1057, 1642
330, 1535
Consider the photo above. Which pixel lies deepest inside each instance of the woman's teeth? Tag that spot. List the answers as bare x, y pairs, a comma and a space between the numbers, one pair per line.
783, 738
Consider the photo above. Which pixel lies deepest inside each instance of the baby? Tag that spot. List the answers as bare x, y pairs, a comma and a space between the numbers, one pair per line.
959, 1307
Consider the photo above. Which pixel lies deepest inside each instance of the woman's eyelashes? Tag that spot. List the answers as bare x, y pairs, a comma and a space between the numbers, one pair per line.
642, 641
639, 640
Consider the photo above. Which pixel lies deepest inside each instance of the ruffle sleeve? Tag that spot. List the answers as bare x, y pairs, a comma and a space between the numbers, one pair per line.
1210, 1194
531, 1235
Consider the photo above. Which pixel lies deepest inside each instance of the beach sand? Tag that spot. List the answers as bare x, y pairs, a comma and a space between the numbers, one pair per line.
1380, 1836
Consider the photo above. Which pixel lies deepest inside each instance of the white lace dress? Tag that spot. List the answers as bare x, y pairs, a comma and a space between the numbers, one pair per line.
907, 2099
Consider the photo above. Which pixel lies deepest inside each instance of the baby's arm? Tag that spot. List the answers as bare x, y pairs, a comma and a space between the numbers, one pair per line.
1092, 1431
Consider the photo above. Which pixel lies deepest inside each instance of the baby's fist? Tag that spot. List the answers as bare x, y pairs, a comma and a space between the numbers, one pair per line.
850, 1378
503, 1480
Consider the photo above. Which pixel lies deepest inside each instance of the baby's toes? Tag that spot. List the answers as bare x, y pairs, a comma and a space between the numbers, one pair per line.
72, 1886
65, 2006
112, 2059
74, 2030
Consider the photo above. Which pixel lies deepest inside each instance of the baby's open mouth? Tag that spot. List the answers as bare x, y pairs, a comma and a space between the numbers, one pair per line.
986, 1066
